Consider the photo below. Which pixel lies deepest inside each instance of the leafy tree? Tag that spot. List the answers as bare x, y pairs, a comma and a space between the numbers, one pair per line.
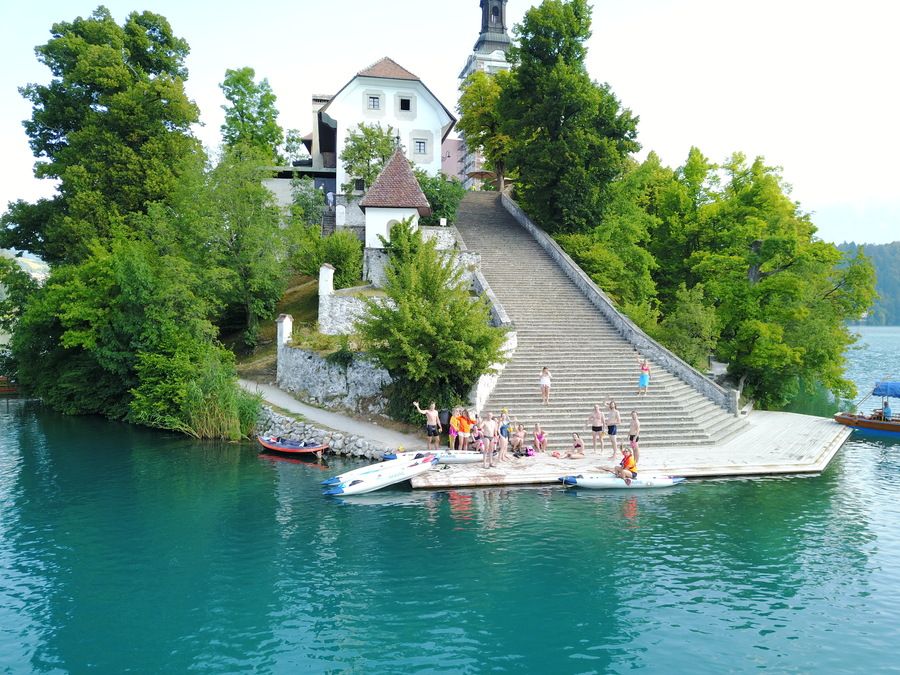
782, 297
308, 203
481, 121
443, 194
570, 136
113, 126
251, 117
431, 336
691, 329
367, 150
340, 249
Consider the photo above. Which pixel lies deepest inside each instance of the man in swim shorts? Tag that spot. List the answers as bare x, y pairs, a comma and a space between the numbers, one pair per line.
596, 422
433, 427
613, 420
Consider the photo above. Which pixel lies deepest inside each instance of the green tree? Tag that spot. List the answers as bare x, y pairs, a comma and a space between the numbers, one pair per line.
481, 121
571, 137
251, 117
432, 338
886, 260
366, 151
691, 329
113, 126
443, 194
782, 297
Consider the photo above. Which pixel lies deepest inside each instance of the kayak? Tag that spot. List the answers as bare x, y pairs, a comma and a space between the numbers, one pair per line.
444, 456
380, 475
608, 481
368, 468
289, 446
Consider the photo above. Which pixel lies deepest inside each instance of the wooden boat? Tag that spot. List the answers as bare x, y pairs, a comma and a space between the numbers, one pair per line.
380, 475
287, 446
882, 420
608, 481
7, 387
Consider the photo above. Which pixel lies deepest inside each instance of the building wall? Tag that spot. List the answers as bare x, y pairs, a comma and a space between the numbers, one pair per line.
379, 221
425, 119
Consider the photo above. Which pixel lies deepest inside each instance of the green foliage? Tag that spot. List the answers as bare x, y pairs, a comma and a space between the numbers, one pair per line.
113, 126
251, 117
570, 136
691, 329
443, 194
308, 203
481, 121
366, 151
16, 287
344, 252
886, 260
432, 337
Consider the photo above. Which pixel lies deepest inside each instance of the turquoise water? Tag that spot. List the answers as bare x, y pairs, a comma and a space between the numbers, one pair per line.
125, 549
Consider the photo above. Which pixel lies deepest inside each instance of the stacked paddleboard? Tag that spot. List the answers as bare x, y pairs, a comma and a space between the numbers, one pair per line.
608, 481
380, 475
444, 456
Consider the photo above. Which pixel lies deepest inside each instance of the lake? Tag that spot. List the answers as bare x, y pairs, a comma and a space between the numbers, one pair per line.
127, 549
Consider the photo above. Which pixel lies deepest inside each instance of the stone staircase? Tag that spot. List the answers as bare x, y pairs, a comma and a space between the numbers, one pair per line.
590, 361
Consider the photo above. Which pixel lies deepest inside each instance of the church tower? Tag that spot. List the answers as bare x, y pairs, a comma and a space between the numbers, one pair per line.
488, 55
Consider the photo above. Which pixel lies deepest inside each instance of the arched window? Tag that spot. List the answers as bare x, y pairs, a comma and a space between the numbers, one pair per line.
495, 14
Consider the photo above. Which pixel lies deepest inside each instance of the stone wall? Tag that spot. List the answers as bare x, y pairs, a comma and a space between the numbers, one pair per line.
356, 387
271, 423
727, 398
484, 386
339, 310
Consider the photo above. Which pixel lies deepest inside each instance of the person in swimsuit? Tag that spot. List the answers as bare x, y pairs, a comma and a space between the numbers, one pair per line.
432, 425
546, 377
577, 451
644, 379
453, 432
517, 440
596, 423
634, 435
627, 468
613, 420
503, 437
540, 439
489, 431
465, 430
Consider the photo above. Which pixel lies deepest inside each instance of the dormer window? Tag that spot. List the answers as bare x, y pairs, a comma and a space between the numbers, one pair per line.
374, 103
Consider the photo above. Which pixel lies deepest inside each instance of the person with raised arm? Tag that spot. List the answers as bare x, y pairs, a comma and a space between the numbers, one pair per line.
432, 425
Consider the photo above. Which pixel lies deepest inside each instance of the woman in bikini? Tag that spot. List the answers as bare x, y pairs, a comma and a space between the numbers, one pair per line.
577, 451
540, 439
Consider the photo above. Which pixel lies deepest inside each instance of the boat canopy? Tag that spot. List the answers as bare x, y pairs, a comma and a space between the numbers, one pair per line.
887, 389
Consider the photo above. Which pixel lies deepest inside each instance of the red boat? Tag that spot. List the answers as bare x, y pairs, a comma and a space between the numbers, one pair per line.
882, 419
7, 387
287, 446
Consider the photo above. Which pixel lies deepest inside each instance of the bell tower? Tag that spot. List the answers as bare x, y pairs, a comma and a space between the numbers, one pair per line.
493, 34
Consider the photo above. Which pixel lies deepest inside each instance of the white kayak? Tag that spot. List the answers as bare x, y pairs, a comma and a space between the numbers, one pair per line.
369, 468
608, 481
444, 456
381, 475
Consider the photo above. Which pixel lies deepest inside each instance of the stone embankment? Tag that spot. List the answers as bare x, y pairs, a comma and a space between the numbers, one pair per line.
272, 423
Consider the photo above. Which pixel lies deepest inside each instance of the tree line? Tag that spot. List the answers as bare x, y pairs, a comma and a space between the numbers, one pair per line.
713, 259
886, 260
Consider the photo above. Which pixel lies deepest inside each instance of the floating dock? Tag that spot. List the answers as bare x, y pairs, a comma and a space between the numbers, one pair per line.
772, 443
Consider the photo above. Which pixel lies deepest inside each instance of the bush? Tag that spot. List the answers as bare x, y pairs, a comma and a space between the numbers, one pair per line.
443, 194
344, 251
433, 338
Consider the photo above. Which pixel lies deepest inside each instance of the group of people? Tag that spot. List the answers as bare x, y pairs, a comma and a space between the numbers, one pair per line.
498, 437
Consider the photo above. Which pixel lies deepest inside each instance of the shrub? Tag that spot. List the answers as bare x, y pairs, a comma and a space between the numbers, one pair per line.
443, 194
344, 251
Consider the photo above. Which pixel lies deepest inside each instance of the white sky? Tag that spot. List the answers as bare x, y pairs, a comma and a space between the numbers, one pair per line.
809, 84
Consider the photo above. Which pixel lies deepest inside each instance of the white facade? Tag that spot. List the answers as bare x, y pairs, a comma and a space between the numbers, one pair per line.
416, 116
380, 220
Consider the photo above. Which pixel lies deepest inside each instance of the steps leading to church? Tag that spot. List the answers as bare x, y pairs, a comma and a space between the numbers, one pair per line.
591, 362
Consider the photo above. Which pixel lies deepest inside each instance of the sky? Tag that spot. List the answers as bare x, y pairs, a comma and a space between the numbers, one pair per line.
811, 85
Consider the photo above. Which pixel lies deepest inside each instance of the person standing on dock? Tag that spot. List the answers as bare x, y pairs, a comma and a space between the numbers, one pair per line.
613, 420
546, 378
465, 429
634, 436
453, 431
644, 379
596, 422
489, 429
432, 425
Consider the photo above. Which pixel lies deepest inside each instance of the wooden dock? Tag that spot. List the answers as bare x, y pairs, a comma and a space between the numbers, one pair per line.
772, 443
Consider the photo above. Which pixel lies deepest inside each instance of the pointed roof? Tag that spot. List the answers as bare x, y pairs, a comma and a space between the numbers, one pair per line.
388, 68
396, 187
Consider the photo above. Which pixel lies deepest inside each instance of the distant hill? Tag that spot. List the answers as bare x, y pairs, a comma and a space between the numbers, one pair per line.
886, 258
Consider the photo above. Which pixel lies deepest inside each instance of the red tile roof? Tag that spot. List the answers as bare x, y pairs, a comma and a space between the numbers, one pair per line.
389, 68
396, 187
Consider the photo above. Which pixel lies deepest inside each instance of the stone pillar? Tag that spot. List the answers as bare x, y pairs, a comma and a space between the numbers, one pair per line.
340, 215
326, 280
284, 329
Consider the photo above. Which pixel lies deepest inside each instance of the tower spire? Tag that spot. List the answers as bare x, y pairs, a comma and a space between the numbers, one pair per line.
493, 34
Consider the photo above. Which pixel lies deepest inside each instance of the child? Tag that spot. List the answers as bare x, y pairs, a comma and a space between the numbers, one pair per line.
454, 429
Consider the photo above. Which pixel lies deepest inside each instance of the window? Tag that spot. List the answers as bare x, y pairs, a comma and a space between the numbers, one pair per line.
420, 146
374, 103
404, 104
359, 185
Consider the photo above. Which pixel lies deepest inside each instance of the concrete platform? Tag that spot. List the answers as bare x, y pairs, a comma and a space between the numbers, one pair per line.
772, 443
